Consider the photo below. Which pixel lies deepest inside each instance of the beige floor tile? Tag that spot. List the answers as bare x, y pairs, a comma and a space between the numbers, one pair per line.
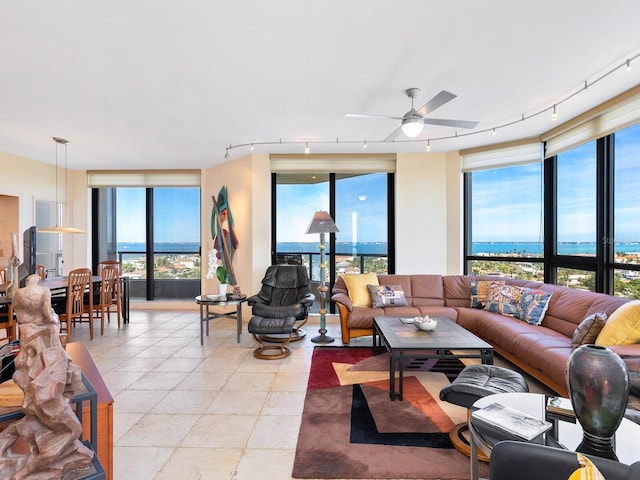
201, 463
204, 381
159, 380
158, 430
185, 401
179, 364
290, 382
233, 402
265, 464
123, 422
283, 403
137, 401
220, 431
139, 463
250, 381
277, 432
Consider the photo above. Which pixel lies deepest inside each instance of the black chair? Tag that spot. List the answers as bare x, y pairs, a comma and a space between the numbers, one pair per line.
285, 293
528, 461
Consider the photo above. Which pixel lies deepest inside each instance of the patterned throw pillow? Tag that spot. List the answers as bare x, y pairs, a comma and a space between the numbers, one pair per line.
387, 296
480, 291
532, 305
588, 330
503, 299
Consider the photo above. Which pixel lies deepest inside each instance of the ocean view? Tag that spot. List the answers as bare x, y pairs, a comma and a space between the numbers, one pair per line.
380, 248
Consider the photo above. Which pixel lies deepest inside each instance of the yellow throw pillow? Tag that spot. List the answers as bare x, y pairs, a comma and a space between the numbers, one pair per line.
622, 327
357, 288
586, 471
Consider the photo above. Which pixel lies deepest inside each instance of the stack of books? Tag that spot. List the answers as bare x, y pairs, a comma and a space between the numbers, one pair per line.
559, 408
511, 422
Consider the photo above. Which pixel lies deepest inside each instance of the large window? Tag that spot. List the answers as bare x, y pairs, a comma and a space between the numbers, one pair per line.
505, 222
360, 207
155, 234
591, 204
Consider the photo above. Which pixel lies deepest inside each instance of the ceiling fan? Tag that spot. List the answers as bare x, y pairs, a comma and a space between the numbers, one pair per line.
414, 120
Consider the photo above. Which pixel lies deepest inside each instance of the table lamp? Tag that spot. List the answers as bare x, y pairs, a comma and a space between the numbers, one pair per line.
322, 223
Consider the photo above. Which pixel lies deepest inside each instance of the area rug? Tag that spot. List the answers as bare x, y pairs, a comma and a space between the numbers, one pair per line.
350, 428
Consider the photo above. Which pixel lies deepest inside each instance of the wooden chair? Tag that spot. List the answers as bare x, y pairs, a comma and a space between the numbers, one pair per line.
117, 298
79, 284
40, 271
8, 323
109, 297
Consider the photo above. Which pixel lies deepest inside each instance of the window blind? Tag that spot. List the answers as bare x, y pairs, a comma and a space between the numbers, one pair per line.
502, 155
143, 178
333, 163
618, 113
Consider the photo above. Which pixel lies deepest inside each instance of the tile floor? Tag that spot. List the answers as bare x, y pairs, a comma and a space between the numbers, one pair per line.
186, 411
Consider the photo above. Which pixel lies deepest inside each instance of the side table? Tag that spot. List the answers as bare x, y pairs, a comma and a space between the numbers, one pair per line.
565, 434
214, 300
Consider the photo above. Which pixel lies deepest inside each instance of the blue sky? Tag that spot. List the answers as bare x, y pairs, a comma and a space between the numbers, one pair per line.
507, 202
176, 215
364, 195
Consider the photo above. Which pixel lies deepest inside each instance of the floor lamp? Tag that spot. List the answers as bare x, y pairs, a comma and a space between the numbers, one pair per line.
322, 223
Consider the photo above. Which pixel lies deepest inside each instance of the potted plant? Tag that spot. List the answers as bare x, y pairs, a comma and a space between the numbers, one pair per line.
223, 275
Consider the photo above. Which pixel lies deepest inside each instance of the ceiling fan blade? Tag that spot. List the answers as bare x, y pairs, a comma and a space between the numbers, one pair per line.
450, 123
366, 115
393, 135
436, 102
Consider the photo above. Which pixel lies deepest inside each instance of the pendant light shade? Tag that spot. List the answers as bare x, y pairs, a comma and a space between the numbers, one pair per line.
57, 228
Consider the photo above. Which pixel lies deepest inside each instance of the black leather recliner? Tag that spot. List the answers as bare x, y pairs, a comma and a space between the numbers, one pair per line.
512, 460
285, 293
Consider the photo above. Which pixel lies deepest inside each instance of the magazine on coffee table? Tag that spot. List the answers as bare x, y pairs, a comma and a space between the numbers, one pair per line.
511, 421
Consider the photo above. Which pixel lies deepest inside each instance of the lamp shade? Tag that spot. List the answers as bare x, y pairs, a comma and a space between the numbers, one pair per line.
412, 126
322, 223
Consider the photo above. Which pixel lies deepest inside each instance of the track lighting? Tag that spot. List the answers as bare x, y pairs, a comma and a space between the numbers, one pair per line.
413, 123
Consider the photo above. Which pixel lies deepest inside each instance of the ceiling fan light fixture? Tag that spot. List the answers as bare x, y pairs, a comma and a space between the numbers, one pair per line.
412, 126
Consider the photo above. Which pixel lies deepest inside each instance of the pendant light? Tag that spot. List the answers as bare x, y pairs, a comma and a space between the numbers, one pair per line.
57, 228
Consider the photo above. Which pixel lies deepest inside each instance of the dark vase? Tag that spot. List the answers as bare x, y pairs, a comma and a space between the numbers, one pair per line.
599, 391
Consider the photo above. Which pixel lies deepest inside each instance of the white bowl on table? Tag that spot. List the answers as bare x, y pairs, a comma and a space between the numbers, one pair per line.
425, 324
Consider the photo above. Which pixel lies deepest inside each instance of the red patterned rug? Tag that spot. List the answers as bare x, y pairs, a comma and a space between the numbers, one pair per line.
351, 429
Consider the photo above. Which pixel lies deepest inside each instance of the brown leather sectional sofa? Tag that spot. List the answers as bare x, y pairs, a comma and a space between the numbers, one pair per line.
541, 350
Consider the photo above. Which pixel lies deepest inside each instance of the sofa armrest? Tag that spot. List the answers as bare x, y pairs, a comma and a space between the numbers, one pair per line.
252, 300
343, 299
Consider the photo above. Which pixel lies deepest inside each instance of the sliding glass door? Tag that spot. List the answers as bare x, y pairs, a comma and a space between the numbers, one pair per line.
155, 234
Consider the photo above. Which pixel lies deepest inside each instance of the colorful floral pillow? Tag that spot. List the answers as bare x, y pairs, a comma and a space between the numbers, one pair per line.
532, 305
480, 291
387, 296
503, 299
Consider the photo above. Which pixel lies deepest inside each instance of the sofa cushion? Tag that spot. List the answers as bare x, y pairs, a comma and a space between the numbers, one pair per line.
387, 296
622, 327
532, 305
357, 288
480, 291
588, 330
503, 299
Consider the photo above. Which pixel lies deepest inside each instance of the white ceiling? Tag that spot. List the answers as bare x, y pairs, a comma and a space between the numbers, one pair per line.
168, 84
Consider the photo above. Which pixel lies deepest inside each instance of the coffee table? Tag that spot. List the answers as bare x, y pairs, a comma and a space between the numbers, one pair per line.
214, 300
564, 434
405, 341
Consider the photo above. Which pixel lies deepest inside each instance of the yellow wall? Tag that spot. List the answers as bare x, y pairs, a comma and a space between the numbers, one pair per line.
30, 180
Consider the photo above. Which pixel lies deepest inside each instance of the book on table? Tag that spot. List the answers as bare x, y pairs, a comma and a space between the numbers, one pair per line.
511, 421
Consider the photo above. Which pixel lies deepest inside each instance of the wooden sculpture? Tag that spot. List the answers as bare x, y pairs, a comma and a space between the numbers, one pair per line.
44, 444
